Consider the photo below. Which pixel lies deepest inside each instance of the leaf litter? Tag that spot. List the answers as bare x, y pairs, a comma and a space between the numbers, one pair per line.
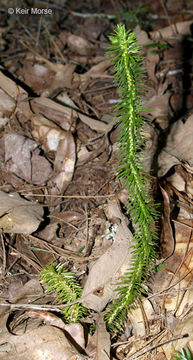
59, 198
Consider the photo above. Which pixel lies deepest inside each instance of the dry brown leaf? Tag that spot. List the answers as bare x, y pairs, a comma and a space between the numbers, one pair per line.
179, 146
41, 168
159, 105
151, 61
66, 114
136, 317
9, 86
171, 288
45, 76
95, 71
183, 327
45, 342
64, 98
24, 293
105, 272
18, 215
183, 252
7, 106
65, 77
167, 243
46, 132
100, 344
172, 292
21, 159
38, 76
142, 36
63, 164
75, 330
48, 234
69, 216
34, 252
178, 182
9, 93
62, 115
47, 317
93, 124
85, 156
23, 110
79, 45
18, 151
181, 28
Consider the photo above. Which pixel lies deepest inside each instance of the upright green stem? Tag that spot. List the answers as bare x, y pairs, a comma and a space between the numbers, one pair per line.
129, 75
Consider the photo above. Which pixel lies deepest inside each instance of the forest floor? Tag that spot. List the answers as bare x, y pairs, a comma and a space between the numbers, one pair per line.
60, 200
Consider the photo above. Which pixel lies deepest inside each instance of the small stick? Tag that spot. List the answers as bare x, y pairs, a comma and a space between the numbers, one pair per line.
150, 348
71, 196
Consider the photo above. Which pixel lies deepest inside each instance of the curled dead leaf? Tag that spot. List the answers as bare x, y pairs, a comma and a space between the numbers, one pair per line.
180, 28
18, 215
62, 115
79, 45
21, 160
99, 344
63, 164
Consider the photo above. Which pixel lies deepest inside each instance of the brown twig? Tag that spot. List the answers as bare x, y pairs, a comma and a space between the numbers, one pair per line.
71, 196
155, 346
